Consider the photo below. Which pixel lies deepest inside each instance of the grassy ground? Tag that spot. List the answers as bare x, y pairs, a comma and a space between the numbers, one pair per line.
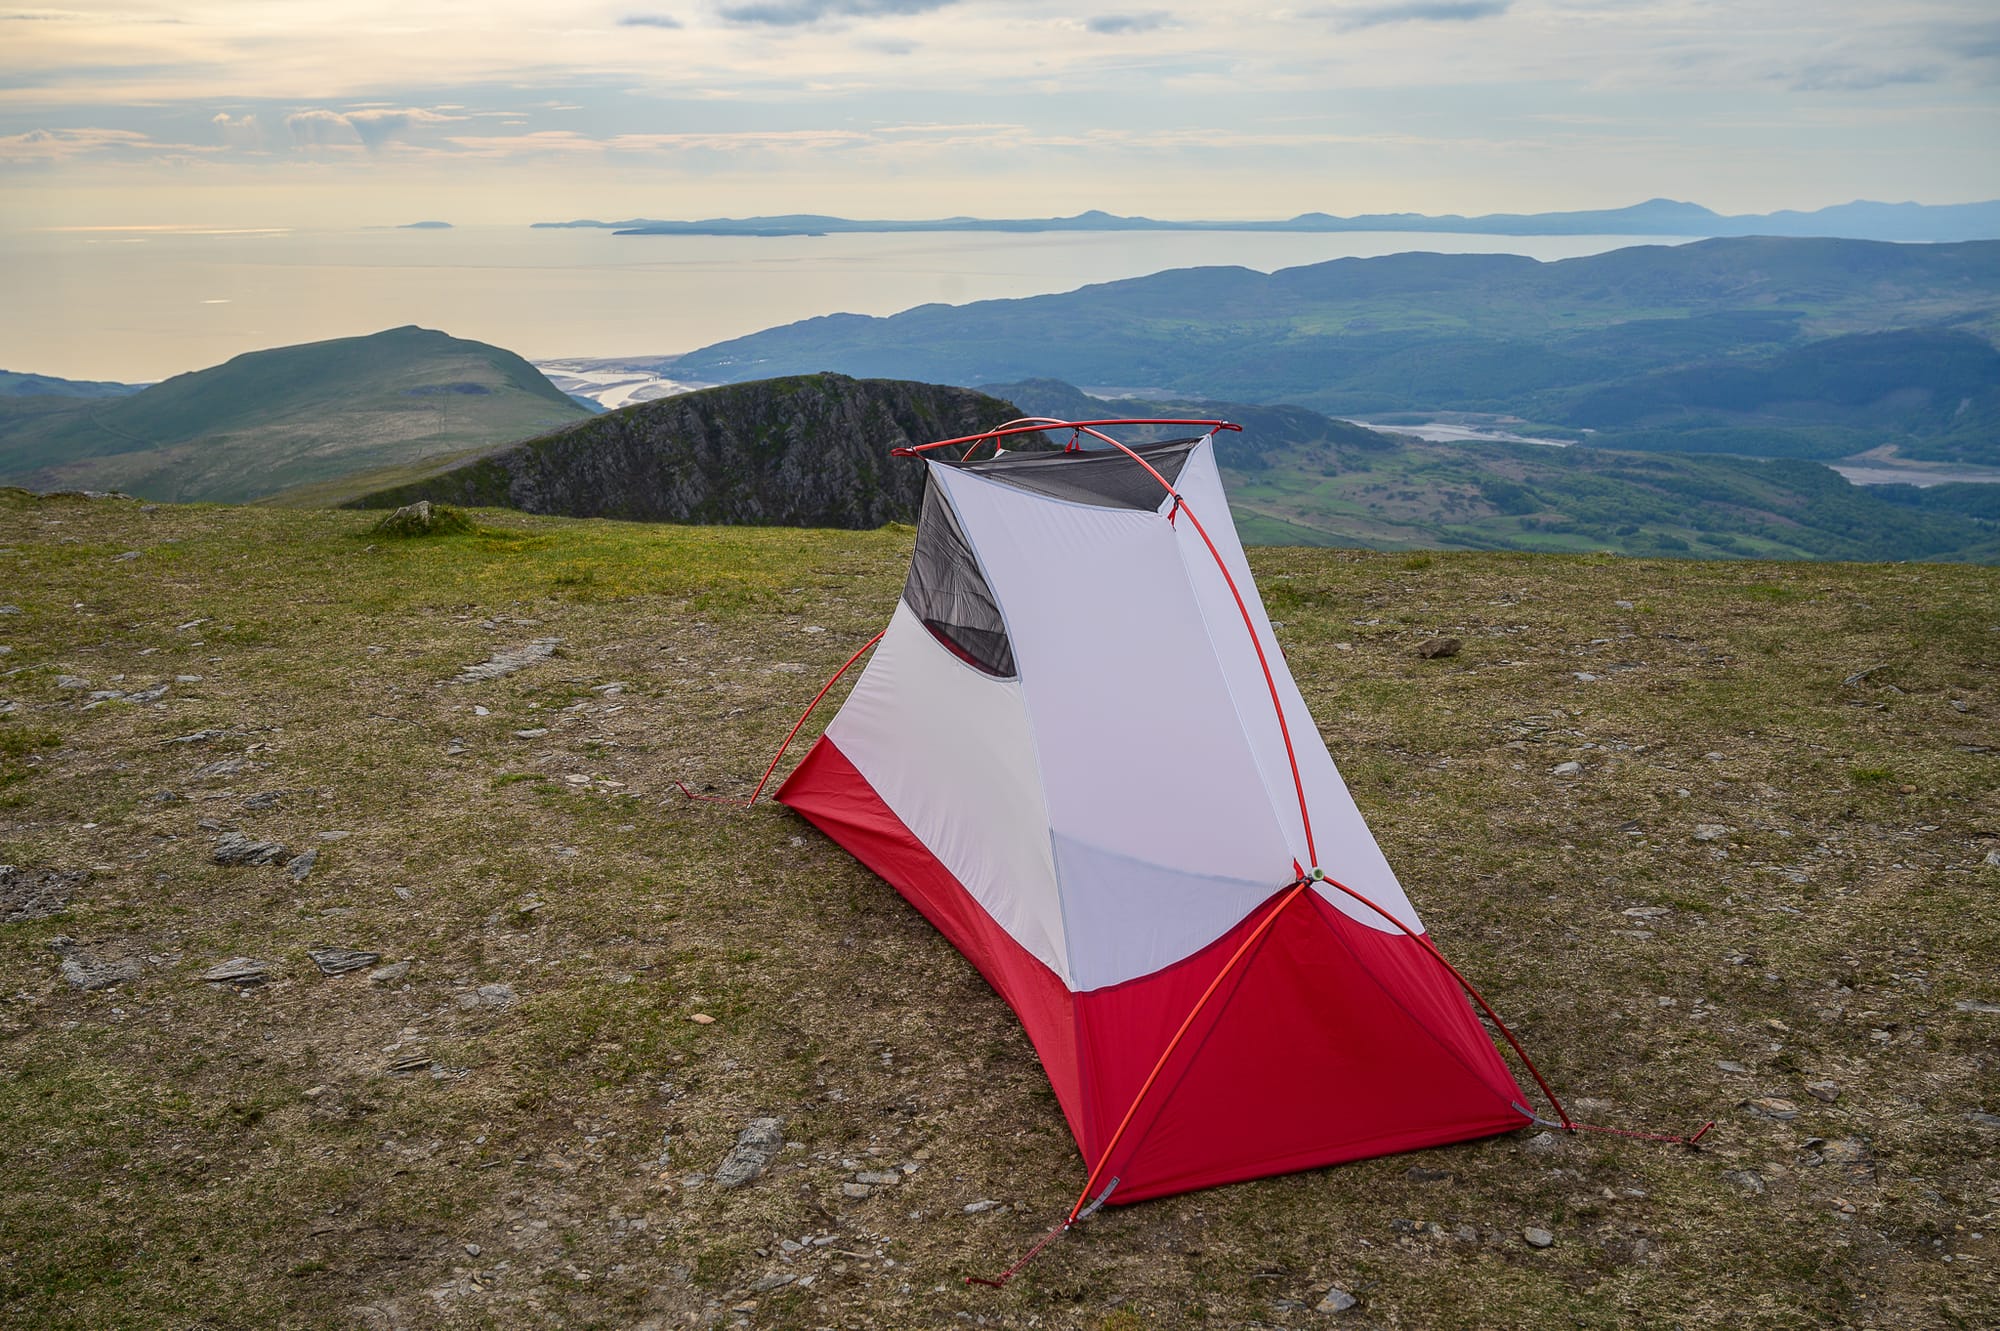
1808, 852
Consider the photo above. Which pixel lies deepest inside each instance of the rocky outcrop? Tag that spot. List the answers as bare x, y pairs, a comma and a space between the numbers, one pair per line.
808, 451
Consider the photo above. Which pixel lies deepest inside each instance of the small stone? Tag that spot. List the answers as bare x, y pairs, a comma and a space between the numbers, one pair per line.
197, 737
496, 995
1711, 831
341, 960
393, 973
533, 732
777, 1280
236, 848
472, 1250
127, 557
1419, 1174
974, 1208
1980, 1118
221, 767
1337, 1300
1749, 1180
236, 970
72, 683
1773, 1107
760, 1139
268, 799
409, 1063
36, 894
1623, 605
1583, 677
701, 1019
88, 972
1439, 648
1976, 1005
1537, 1238
302, 865
507, 662
856, 1190
1542, 1143
1824, 1091
1647, 912
878, 1178
1727, 1065
1570, 768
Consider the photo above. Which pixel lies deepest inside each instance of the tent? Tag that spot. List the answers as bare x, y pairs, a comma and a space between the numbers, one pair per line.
1078, 751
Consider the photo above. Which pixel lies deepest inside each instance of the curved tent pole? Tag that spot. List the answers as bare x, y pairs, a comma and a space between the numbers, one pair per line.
1035, 424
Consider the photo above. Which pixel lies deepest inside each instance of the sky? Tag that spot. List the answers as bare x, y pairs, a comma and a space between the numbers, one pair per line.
379, 112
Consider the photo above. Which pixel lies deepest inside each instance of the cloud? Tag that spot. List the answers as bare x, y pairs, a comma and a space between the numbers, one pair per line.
1414, 11
1861, 78
56, 145
795, 13
320, 129
242, 131
372, 129
378, 127
650, 21
1110, 24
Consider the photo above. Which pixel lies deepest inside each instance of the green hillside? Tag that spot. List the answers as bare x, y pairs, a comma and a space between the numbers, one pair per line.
807, 451
1297, 477
1719, 838
1490, 333
289, 416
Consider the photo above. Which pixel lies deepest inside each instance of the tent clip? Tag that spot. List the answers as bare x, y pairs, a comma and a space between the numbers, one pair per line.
1102, 1197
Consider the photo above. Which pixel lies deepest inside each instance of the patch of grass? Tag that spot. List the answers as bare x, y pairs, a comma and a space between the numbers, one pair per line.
558, 1120
422, 519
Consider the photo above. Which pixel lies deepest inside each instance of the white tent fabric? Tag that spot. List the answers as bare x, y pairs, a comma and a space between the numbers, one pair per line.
1139, 693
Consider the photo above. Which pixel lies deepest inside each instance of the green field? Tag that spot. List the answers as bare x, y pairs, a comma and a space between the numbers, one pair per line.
1767, 896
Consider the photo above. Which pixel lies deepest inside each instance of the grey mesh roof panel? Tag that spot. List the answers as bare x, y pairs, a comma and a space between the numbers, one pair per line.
1102, 477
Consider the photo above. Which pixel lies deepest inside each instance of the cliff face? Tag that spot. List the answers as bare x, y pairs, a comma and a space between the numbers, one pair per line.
808, 451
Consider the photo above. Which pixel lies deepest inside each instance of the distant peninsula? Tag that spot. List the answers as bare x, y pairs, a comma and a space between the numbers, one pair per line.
425, 226
1861, 220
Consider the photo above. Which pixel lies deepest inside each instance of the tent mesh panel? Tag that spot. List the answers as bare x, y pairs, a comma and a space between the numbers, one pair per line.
949, 593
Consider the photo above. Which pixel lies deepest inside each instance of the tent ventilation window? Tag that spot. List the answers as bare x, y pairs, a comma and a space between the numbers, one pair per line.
949, 594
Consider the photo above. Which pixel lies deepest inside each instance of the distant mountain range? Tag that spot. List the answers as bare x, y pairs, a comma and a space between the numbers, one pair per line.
271, 420
1757, 346
1860, 220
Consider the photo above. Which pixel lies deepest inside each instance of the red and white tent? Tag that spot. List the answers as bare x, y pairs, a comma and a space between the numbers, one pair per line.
1078, 751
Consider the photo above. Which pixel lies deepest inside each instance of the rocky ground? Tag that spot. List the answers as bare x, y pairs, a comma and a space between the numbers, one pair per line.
361, 966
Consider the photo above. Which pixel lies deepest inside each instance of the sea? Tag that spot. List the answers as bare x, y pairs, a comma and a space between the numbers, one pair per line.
136, 305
